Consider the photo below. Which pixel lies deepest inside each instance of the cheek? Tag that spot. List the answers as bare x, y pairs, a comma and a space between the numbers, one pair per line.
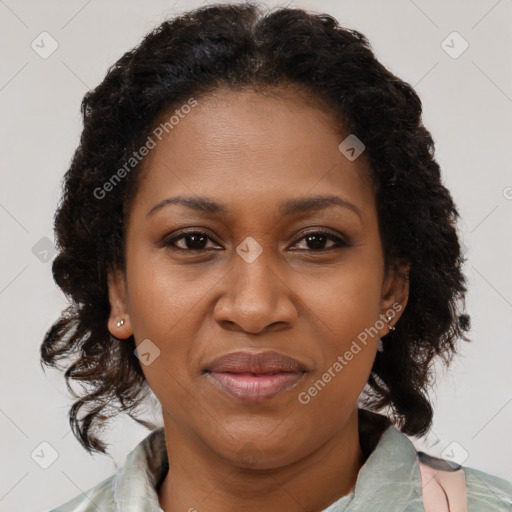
346, 309
161, 295
164, 308
348, 346
347, 299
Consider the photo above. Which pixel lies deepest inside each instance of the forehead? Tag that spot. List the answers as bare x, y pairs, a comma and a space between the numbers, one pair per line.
252, 147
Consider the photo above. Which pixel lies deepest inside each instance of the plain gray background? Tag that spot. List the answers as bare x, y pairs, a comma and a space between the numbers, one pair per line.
467, 106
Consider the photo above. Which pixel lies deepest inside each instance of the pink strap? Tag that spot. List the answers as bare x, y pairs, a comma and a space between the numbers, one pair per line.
443, 491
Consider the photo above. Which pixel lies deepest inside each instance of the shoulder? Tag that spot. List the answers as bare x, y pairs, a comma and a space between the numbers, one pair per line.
487, 492
132, 486
99, 497
484, 492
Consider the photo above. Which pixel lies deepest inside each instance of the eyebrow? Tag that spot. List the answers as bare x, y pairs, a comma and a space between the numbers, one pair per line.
289, 207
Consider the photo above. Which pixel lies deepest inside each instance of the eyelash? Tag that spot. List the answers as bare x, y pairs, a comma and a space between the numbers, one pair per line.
339, 241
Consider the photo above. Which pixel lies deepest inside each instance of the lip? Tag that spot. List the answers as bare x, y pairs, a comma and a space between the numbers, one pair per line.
255, 377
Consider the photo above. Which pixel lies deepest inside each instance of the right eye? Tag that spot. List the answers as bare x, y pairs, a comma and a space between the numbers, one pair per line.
191, 241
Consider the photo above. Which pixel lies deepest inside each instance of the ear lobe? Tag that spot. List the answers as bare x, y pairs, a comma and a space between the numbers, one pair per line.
119, 320
395, 294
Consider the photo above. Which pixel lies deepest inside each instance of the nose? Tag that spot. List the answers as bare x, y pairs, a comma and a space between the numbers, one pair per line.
256, 297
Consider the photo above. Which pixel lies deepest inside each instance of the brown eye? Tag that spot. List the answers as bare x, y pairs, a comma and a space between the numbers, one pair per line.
195, 241
316, 241
192, 241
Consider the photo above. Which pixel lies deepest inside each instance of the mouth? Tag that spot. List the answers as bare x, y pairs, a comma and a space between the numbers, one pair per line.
255, 377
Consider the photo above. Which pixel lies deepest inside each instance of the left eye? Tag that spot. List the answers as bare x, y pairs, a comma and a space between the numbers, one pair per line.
315, 241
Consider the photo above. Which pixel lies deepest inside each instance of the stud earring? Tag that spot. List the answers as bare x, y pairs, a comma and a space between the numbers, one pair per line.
120, 323
391, 327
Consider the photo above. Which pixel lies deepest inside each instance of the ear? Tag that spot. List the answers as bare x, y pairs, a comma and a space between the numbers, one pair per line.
395, 293
118, 306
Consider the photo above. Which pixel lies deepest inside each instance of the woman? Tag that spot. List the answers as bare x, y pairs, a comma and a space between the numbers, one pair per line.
254, 229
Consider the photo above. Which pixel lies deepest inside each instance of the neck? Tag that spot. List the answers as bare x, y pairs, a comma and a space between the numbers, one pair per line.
199, 480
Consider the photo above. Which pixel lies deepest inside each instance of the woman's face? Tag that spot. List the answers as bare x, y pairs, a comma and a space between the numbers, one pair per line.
261, 278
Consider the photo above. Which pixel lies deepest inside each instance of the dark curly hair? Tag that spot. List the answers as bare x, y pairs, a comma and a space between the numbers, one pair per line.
235, 46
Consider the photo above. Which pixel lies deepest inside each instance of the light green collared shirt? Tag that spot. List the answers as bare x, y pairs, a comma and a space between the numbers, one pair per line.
389, 481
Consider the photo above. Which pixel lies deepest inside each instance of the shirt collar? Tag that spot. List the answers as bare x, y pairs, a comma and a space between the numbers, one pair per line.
390, 477
390, 474
143, 471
